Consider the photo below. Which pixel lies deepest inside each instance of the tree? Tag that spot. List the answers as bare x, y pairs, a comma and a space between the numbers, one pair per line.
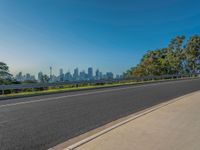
45, 78
173, 59
192, 54
4, 71
176, 52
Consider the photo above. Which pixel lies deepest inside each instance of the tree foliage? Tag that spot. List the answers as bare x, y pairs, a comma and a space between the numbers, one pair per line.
45, 78
5, 76
192, 54
176, 58
4, 71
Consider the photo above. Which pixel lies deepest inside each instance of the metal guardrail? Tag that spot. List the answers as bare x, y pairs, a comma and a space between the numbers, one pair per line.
40, 85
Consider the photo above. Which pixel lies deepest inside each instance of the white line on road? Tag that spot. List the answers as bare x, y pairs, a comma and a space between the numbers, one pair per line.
132, 117
84, 94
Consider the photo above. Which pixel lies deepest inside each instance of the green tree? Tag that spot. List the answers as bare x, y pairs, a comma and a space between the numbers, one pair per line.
174, 59
45, 78
192, 54
4, 71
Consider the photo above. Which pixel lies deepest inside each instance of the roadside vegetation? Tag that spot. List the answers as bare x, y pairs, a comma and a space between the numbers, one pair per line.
5, 76
179, 58
71, 87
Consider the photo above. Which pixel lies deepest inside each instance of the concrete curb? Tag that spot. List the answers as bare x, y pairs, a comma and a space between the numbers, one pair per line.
137, 115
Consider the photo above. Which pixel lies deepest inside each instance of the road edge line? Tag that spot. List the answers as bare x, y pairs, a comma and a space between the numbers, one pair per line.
144, 112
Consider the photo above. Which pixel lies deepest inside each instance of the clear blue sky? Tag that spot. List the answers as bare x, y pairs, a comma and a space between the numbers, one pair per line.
111, 35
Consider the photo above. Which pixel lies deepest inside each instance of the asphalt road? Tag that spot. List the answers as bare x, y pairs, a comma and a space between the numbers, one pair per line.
41, 122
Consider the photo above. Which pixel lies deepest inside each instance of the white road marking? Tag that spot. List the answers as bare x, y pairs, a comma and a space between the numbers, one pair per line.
84, 94
131, 118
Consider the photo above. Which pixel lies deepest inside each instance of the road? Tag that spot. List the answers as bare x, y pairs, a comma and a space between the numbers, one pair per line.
41, 122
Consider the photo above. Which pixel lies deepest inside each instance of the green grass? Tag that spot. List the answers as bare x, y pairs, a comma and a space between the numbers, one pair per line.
83, 86
58, 89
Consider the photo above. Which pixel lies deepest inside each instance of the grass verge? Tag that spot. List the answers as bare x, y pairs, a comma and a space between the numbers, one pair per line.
71, 87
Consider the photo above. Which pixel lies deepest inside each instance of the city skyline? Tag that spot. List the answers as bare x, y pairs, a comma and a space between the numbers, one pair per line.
110, 35
56, 71
76, 75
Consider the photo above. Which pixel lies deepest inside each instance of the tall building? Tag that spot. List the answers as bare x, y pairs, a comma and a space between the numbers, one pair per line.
109, 75
119, 77
100, 75
32, 78
40, 76
76, 74
28, 76
19, 77
50, 69
68, 76
83, 75
61, 76
54, 79
90, 73
97, 75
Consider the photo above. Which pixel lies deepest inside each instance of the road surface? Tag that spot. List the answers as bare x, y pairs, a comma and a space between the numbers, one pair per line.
41, 122
172, 126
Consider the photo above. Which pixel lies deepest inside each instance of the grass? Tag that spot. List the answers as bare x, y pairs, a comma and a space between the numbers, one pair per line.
79, 87
58, 89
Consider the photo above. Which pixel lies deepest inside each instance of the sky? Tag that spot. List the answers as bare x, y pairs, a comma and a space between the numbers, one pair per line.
111, 35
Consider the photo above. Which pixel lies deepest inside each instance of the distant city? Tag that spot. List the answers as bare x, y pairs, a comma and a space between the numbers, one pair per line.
67, 76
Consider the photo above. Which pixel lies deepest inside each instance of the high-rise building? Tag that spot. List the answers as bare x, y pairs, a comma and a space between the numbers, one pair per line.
100, 75
119, 77
109, 75
90, 73
61, 71
54, 79
68, 76
76, 74
19, 77
83, 75
50, 68
32, 78
97, 75
28, 76
40, 77
61, 76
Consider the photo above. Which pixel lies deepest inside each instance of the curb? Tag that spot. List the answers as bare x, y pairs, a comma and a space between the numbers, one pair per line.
144, 112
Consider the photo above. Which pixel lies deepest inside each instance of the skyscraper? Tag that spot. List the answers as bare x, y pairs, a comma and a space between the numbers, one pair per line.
83, 75
28, 76
40, 76
68, 76
19, 77
61, 75
100, 75
97, 75
109, 75
50, 74
76, 74
90, 73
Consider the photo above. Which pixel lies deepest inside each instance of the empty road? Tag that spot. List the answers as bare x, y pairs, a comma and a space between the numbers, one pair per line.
41, 122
